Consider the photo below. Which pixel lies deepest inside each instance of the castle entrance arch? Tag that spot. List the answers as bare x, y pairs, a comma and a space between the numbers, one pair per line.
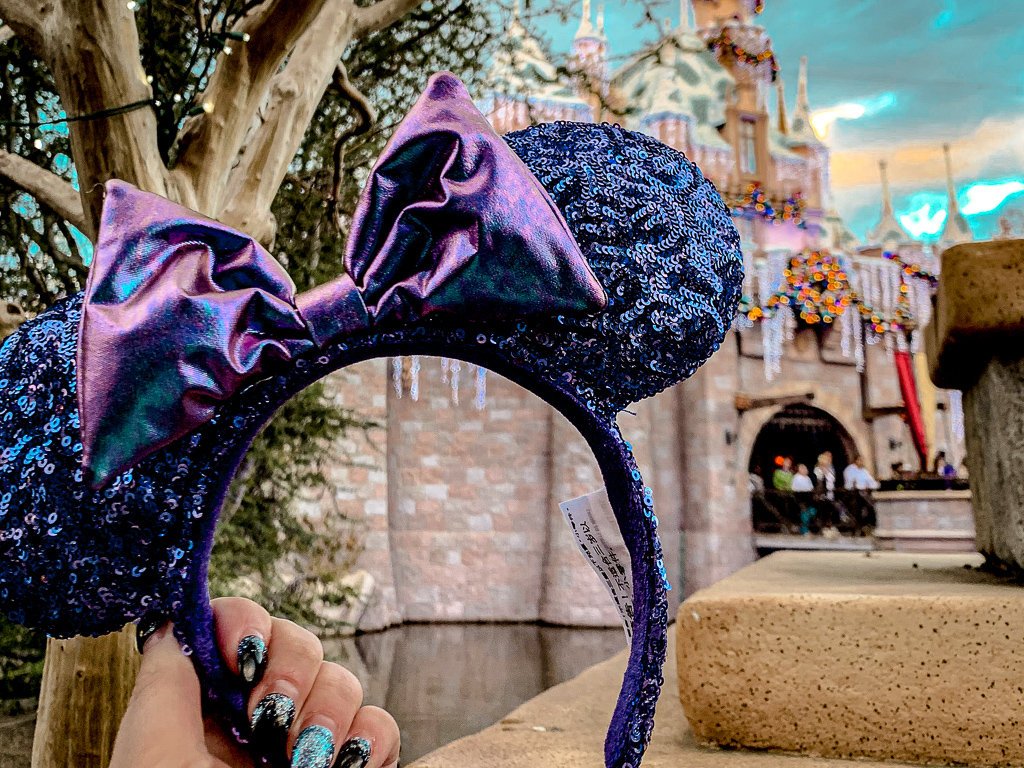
800, 433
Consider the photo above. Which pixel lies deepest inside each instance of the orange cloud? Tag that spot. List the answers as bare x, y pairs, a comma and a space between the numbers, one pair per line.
993, 148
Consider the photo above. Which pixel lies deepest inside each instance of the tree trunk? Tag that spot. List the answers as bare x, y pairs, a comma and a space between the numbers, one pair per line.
87, 683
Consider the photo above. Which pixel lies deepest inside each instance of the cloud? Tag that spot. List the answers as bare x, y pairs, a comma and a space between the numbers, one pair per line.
993, 149
987, 196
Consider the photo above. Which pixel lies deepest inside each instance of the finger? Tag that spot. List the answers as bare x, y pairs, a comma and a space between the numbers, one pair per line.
166, 692
373, 741
325, 717
294, 655
243, 631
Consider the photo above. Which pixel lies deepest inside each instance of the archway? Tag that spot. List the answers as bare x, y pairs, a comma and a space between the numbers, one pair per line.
801, 433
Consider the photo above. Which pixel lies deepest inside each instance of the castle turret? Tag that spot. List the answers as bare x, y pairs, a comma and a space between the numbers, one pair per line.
889, 233
956, 230
590, 60
801, 129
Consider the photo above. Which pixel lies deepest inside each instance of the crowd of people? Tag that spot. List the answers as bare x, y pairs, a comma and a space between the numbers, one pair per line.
816, 488
821, 480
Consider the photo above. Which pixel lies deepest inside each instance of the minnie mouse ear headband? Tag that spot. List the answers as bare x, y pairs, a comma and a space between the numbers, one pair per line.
591, 265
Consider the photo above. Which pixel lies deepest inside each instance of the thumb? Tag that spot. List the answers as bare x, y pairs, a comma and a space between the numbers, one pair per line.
164, 715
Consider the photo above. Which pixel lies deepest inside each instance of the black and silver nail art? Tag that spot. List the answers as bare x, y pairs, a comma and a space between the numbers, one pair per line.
147, 625
354, 753
271, 720
314, 748
252, 658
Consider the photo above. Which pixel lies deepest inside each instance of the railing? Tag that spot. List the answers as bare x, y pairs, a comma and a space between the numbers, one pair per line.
851, 513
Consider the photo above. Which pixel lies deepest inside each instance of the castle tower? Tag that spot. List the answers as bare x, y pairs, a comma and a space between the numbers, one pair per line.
889, 233
686, 15
744, 49
590, 59
957, 230
801, 128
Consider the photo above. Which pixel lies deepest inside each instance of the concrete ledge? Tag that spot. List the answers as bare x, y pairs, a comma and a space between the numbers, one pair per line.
892, 656
564, 727
925, 534
961, 495
977, 309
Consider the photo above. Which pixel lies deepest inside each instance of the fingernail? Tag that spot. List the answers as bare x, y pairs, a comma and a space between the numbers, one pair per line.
252, 658
147, 627
354, 753
314, 748
271, 720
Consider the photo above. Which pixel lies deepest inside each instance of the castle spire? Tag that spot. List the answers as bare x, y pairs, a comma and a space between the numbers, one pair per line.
517, 10
956, 230
780, 90
801, 128
685, 9
889, 233
600, 19
586, 28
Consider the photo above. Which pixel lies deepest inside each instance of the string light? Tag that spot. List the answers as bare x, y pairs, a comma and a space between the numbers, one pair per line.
198, 109
98, 115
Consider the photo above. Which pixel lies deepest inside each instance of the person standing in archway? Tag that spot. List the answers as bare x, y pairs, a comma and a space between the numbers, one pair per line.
825, 485
782, 478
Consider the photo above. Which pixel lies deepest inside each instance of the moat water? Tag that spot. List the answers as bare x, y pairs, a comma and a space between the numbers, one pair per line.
445, 681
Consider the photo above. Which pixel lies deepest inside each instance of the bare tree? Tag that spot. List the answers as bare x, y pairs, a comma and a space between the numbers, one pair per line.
230, 157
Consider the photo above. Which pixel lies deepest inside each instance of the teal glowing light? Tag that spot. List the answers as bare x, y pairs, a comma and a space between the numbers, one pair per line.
986, 196
927, 219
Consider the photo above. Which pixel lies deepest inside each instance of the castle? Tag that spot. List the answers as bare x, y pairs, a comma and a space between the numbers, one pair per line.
456, 504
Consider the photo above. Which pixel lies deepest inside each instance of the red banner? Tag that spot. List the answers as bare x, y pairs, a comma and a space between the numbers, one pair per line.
908, 387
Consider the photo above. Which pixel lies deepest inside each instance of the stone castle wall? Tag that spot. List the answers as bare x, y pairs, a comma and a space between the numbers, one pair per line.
456, 509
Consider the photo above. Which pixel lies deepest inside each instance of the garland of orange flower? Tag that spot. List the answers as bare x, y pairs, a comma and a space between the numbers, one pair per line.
755, 201
723, 41
817, 288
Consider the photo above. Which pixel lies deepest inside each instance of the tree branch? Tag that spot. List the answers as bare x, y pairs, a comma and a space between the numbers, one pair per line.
366, 116
381, 15
25, 19
49, 188
295, 93
208, 146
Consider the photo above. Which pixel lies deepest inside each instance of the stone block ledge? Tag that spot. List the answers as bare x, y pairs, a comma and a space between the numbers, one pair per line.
564, 727
978, 310
888, 656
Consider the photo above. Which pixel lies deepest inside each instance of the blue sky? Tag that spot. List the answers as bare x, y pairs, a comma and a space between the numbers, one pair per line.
925, 72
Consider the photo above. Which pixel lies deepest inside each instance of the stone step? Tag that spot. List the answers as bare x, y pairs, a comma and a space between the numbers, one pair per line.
564, 727
887, 656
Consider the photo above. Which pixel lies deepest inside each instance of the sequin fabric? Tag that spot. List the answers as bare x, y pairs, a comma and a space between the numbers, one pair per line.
77, 561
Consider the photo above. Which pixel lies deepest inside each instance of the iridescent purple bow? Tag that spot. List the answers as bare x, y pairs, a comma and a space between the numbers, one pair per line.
181, 312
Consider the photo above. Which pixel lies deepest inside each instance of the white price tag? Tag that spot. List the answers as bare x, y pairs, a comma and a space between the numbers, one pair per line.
597, 536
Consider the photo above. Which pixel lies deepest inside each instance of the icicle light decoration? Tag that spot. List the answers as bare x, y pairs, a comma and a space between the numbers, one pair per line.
956, 414
481, 387
396, 375
414, 378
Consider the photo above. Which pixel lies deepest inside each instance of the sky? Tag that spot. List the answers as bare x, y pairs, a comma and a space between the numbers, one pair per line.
919, 73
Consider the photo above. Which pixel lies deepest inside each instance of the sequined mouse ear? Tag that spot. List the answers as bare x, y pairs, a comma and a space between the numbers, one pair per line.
661, 241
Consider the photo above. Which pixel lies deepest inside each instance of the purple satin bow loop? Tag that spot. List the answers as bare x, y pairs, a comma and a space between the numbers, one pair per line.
181, 312
451, 221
